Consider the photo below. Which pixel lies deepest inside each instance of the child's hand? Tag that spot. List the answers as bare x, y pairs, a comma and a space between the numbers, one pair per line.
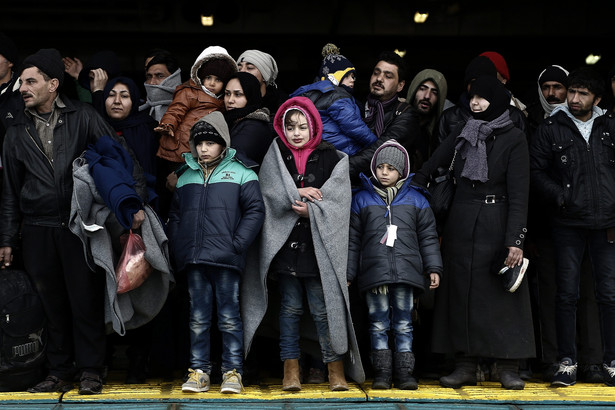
165, 129
434, 280
301, 209
310, 193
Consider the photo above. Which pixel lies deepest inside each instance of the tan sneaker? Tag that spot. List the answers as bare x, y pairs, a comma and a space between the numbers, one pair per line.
231, 382
198, 382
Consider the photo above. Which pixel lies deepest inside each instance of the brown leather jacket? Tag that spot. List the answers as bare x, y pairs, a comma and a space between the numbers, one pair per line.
190, 104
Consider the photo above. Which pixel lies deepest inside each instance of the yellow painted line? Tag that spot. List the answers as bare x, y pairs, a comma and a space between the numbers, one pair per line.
270, 390
492, 391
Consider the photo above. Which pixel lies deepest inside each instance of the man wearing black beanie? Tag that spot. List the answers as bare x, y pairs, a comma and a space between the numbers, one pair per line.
40, 147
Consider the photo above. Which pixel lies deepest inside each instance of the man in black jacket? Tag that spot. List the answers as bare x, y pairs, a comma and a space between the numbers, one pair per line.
39, 150
385, 115
572, 167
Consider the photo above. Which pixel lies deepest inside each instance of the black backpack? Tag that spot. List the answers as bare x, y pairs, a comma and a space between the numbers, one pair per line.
22, 332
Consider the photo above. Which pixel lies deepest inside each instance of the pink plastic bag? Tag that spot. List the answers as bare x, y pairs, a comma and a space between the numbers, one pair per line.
132, 269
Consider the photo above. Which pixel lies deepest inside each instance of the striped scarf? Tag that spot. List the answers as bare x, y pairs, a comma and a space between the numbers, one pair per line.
388, 194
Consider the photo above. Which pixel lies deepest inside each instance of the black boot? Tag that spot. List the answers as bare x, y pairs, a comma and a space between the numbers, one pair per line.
382, 362
509, 374
404, 366
463, 375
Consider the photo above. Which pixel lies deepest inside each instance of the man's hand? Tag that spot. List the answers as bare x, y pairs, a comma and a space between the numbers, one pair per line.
137, 219
72, 66
6, 256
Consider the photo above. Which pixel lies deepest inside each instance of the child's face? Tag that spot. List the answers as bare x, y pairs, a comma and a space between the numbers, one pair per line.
213, 83
387, 175
208, 151
296, 130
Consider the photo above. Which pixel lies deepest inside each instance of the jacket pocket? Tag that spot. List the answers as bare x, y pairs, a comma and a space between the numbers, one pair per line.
607, 154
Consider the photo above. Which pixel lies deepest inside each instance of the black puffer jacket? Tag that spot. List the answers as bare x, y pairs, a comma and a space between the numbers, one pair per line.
576, 177
416, 250
402, 123
37, 191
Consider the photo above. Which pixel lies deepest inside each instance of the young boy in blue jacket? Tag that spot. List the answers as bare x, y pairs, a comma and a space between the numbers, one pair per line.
393, 250
216, 213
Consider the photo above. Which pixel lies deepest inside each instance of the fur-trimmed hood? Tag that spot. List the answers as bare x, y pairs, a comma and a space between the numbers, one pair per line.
210, 53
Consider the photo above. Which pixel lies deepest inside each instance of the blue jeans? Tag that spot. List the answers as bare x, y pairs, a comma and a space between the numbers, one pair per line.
395, 306
291, 309
206, 283
570, 245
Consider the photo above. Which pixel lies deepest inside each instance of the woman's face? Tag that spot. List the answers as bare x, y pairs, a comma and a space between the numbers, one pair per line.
234, 96
118, 104
478, 103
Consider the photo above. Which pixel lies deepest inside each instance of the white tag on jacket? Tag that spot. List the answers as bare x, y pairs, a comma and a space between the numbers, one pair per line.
391, 235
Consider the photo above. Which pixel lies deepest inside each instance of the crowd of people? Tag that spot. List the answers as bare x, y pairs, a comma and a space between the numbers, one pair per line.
253, 201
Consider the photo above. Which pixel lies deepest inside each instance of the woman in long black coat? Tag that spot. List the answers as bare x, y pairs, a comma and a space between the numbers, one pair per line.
474, 315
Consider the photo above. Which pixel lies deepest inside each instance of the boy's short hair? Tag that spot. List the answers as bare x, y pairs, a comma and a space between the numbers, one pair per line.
589, 78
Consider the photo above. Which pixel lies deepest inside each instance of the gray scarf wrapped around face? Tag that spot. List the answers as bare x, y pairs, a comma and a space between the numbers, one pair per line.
160, 96
471, 145
329, 221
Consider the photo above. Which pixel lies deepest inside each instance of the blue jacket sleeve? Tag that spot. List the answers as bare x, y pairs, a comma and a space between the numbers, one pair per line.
348, 118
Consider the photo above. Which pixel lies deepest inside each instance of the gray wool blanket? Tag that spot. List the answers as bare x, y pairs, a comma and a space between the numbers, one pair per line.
329, 221
94, 223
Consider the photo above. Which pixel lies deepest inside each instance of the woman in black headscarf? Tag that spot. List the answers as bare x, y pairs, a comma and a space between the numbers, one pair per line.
247, 119
476, 313
121, 100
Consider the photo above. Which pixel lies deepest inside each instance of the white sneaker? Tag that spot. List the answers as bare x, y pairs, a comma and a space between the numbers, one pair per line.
198, 382
231, 382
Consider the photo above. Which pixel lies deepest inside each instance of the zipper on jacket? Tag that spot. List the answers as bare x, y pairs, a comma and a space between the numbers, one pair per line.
39, 148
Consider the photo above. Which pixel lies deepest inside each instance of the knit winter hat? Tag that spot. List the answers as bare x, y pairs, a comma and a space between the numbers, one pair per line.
554, 73
334, 66
8, 48
218, 67
49, 61
264, 62
479, 66
499, 63
394, 154
204, 131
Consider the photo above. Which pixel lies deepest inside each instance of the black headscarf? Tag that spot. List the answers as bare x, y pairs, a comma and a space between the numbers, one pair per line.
252, 90
492, 90
137, 128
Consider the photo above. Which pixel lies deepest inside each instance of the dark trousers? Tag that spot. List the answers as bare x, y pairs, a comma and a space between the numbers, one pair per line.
589, 343
72, 296
570, 245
